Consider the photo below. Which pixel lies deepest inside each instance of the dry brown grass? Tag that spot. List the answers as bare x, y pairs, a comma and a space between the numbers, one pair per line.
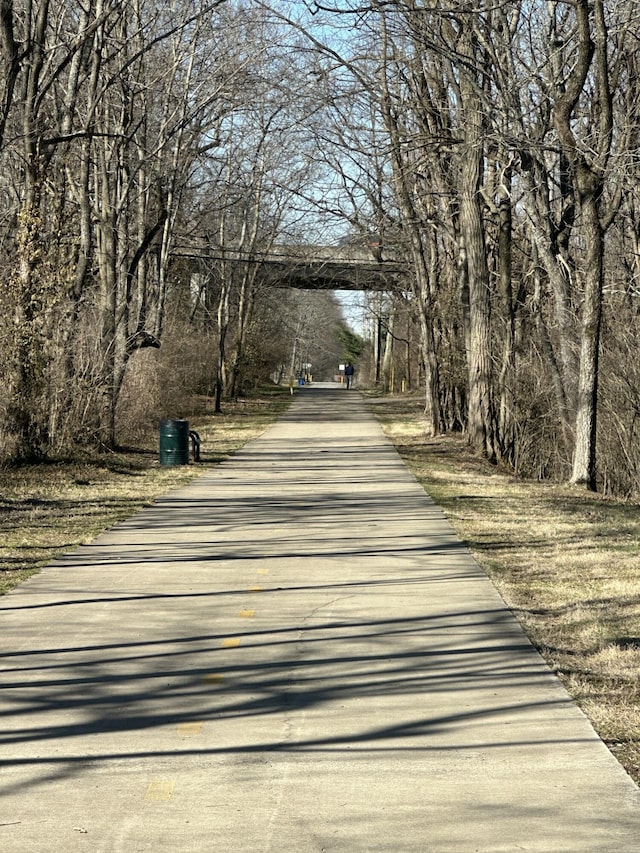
46, 510
565, 561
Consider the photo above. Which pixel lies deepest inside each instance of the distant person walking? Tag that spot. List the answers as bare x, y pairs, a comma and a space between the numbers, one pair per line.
348, 374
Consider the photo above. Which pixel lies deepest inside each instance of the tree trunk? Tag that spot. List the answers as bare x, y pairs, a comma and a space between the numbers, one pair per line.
589, 178
584, 457
421, 243
481, 410
481, 416
387, 358
507, 415
246, 301
223, 328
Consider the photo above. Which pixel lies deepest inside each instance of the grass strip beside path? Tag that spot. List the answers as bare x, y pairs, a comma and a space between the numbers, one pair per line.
48, 509
567, 562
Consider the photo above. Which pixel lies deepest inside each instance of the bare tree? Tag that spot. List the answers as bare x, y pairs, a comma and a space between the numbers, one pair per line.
96, 186
47, 265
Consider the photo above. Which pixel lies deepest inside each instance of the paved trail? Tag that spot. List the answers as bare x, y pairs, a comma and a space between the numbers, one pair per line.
292, 654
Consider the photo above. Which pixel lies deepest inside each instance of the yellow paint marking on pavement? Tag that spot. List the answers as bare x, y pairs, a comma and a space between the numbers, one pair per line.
230, 643
188, 729
256, 589
159, 791
213, 678
263, 571
247, 614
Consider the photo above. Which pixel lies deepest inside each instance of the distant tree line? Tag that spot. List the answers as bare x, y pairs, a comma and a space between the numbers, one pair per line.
495, 146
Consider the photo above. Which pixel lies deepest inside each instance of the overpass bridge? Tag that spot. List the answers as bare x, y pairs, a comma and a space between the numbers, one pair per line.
307, 267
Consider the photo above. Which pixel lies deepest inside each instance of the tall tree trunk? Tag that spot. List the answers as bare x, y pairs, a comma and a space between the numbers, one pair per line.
584, 457
387, 358
246, 300
421, 242
588, 174
28, 389
507, 415
223, 328
422, 292
481, 410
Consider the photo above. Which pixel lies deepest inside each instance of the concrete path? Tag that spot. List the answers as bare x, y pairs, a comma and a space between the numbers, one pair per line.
292, 654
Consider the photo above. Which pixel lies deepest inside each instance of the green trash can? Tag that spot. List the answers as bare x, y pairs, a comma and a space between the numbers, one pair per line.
174, 442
